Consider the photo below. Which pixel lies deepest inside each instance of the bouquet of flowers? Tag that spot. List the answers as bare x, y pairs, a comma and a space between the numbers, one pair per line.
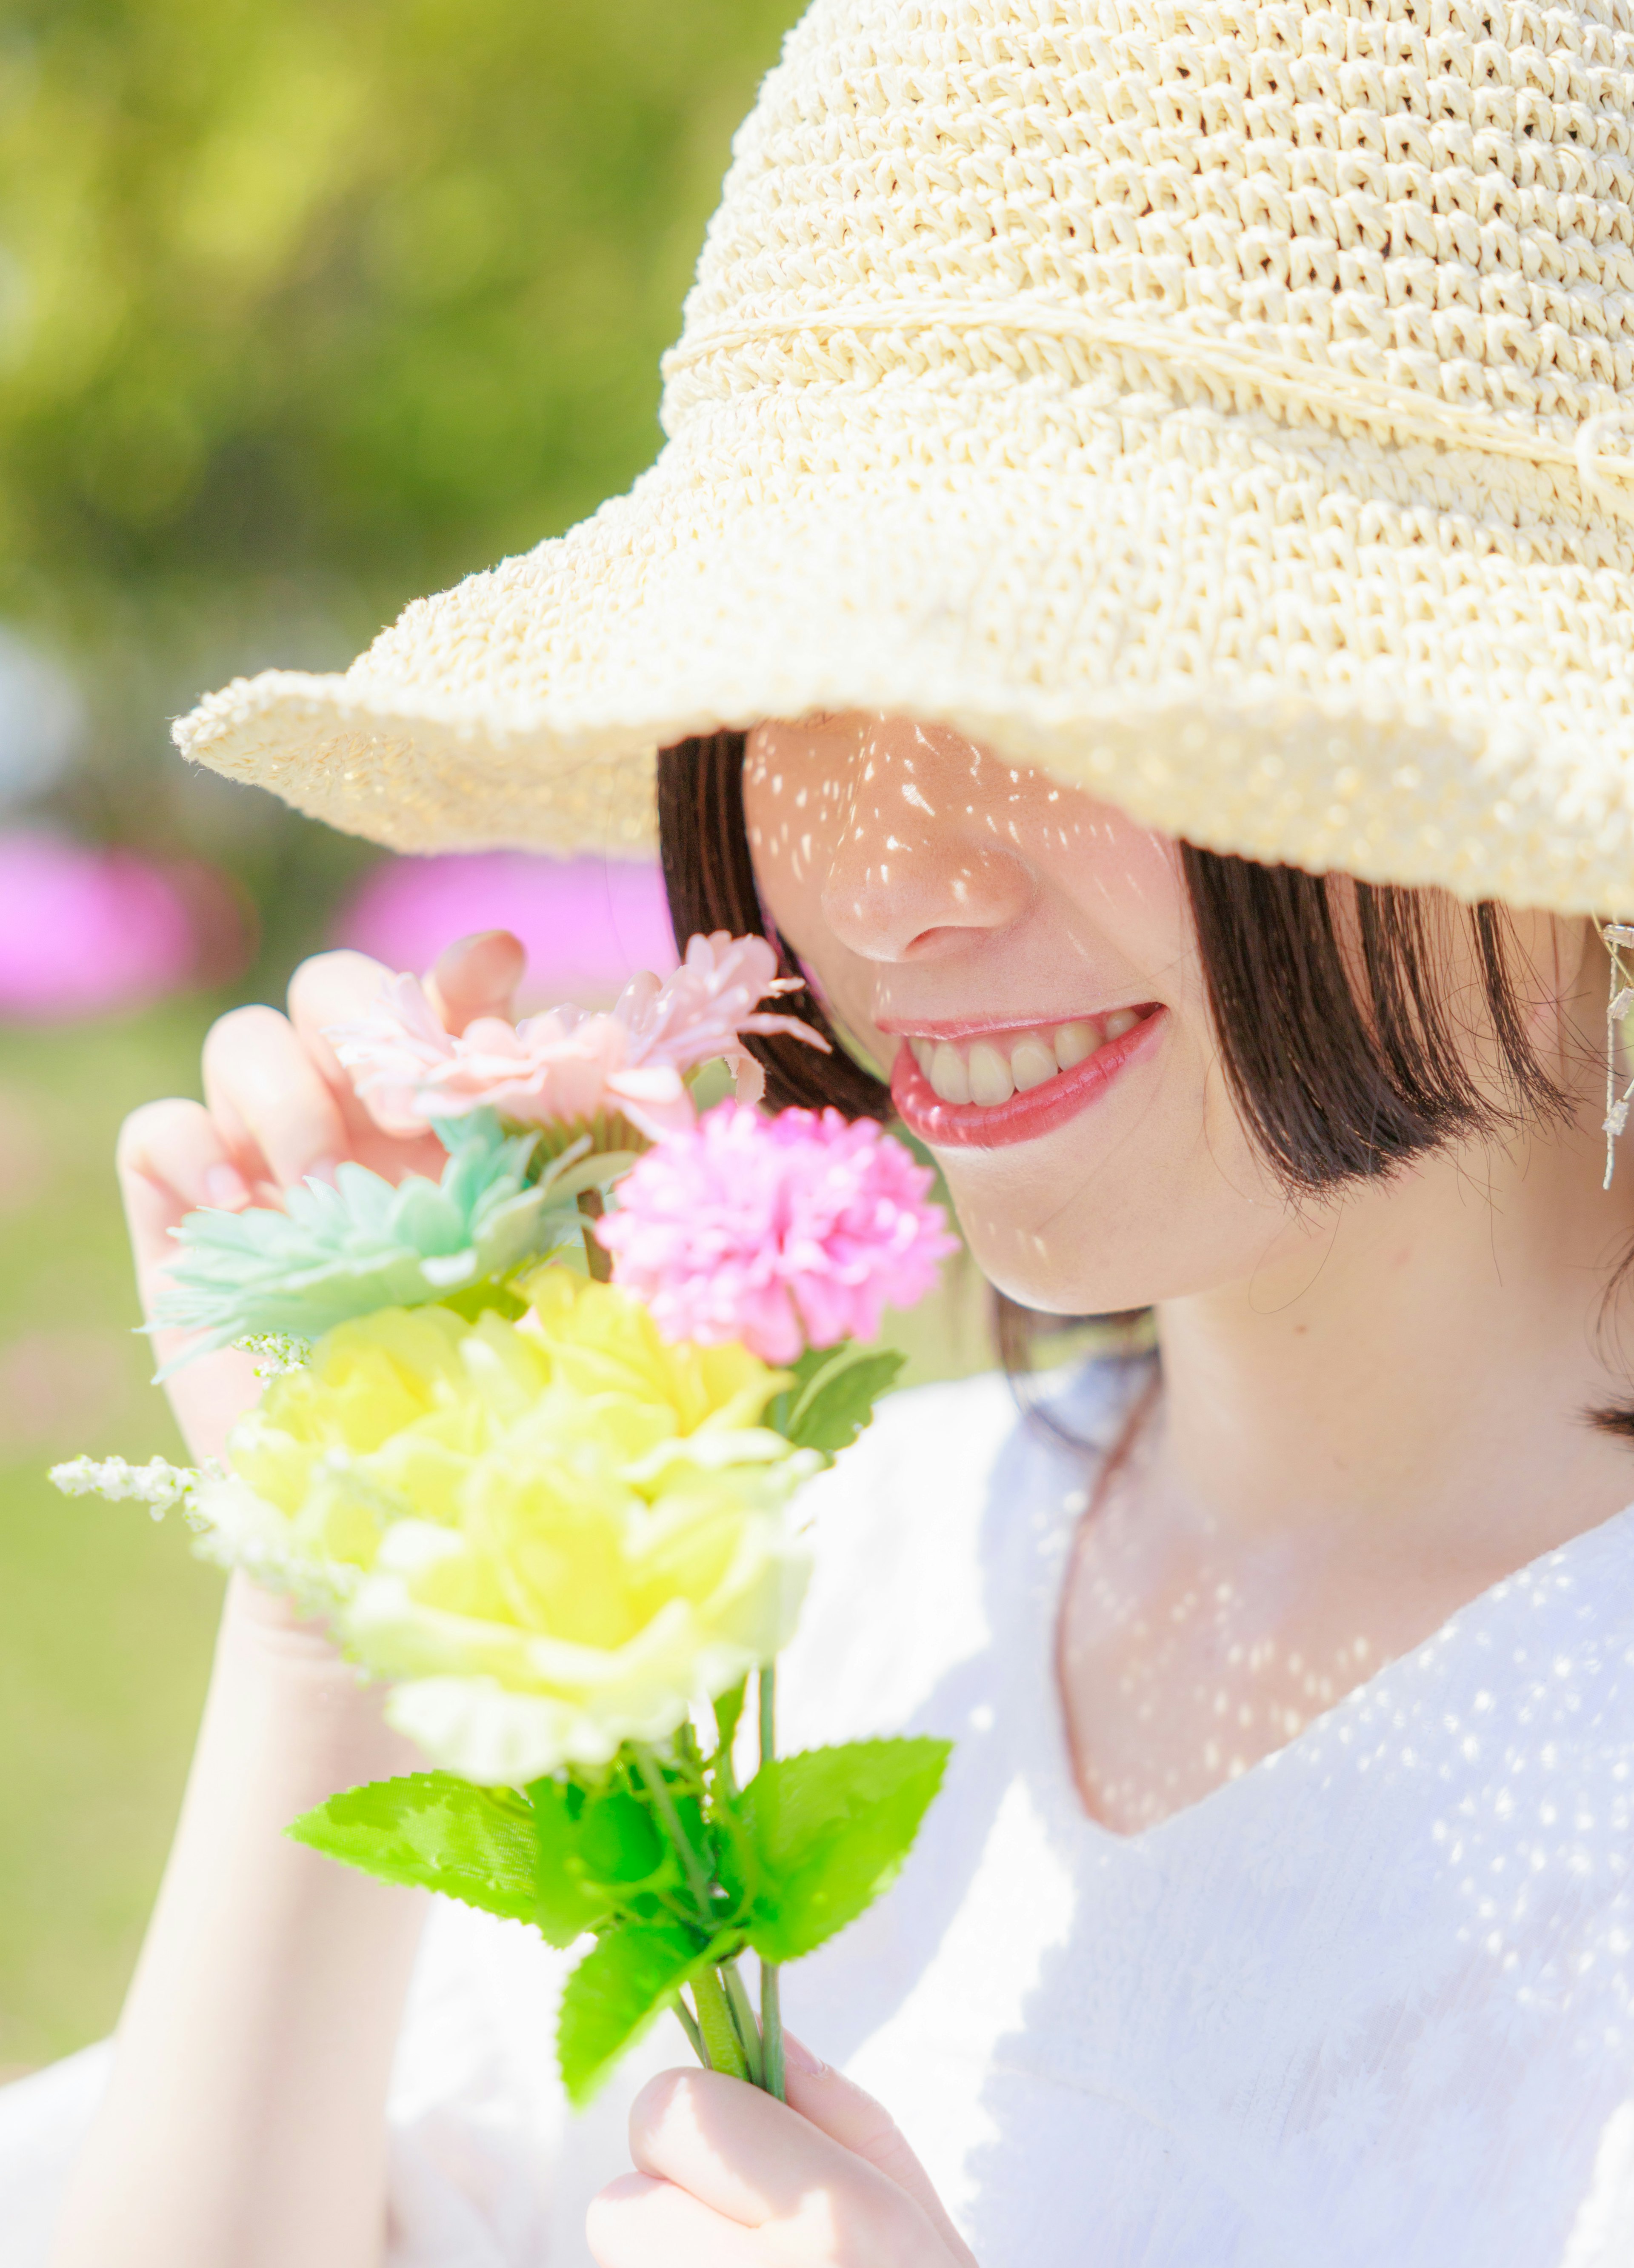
531, 1442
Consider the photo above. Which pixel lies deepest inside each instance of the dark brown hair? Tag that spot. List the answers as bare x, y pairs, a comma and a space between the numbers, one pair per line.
710, 880
1346, 1050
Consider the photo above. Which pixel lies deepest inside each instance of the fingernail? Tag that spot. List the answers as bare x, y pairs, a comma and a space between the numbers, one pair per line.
798, 2057
473, 942
226, 1189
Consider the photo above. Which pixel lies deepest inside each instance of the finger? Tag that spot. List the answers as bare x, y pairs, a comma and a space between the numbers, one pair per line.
276, 1111
852, 2117
344, 988
330, 988
171, 1160
477, 977
757, 2162
636, 2222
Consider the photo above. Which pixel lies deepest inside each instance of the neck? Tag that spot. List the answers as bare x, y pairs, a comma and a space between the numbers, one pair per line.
1421, 1355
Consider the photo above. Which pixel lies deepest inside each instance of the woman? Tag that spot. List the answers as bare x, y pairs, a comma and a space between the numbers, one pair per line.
1136, 600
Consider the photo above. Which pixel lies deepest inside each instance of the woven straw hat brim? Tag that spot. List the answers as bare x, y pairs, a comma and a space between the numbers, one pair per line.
1267, 636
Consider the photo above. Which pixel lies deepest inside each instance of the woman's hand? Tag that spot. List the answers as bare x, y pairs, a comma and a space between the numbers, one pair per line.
278, 1107
245, 2118
728, 2178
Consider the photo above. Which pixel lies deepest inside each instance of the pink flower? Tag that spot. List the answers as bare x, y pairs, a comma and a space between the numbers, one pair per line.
566, 1064
782, 1232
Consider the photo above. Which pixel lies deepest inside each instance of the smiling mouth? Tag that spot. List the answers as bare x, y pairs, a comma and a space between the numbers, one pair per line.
987, 1088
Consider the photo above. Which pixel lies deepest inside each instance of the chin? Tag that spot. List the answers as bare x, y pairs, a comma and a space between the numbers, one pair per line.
1060, 1282
1075, 1225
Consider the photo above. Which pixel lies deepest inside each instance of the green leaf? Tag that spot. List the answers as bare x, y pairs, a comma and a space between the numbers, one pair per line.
836, 1401
566, 1901
728, 1710
828, 1831
619, 1840
814, 1360
476, 1300
614, 1993
599, 1853
328, 1254
434, 1832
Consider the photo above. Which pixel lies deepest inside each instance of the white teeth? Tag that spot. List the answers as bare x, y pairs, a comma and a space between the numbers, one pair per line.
990, 1076
1075, 1043
1031, 1061
947, 1074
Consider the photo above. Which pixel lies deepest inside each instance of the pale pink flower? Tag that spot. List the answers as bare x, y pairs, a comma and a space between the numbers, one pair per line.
783, 1231
567, 1064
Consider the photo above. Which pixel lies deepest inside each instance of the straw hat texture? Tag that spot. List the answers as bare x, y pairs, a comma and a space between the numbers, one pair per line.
1228, 409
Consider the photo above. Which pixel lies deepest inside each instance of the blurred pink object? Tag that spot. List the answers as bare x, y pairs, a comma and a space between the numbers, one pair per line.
85, 931
566, 1064
781, 1232
588, 924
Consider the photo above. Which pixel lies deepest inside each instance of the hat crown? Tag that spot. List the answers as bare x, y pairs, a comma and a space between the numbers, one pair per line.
1424, 195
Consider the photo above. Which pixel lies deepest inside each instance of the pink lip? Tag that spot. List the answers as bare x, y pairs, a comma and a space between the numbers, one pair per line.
969, 1028
976, 1126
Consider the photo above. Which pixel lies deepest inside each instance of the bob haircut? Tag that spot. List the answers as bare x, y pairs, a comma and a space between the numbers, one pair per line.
1347, 1051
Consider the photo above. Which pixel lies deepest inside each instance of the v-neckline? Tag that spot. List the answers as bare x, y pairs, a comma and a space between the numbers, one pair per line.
1225, 1792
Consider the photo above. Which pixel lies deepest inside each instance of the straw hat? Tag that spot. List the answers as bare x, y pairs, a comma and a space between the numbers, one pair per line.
1223, 407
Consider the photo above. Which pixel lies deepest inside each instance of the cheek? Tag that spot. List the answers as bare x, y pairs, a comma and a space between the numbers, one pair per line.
781, 811
1153, 1195
791, 815
1127, 882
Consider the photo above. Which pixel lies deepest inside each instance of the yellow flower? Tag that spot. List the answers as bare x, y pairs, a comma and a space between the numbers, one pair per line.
555, 1534
384, 1420
604, 1340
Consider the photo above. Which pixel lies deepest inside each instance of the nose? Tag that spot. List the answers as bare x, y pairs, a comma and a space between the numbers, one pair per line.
924, 859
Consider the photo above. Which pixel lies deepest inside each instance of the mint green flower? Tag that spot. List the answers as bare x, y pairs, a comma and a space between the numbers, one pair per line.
335, 1253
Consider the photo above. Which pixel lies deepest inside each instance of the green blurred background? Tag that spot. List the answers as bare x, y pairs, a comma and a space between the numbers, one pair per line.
305, 309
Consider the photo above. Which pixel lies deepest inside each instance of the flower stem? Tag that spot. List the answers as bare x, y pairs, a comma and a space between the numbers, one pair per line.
771, 2003
658, 1788
720, 2034
766, 1685
597, 1258
743, 2016
690, 2025
771, 2032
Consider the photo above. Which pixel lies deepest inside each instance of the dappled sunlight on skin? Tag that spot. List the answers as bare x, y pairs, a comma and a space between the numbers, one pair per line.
1372, 1403
1193, 1644
1189, 1653
925, 880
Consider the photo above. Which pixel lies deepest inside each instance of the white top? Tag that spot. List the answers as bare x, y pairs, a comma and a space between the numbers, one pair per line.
1370, 2003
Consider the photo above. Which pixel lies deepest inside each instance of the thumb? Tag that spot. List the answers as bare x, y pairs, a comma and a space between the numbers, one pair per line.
852, 2119
476, 977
